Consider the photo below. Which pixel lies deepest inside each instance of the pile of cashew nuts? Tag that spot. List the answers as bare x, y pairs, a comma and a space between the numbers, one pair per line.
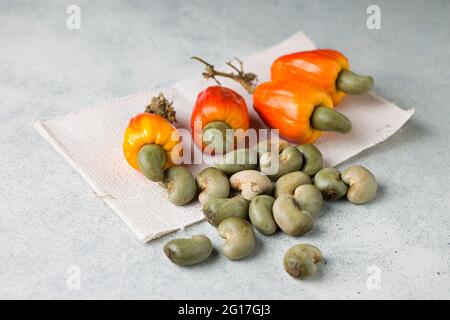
289, 199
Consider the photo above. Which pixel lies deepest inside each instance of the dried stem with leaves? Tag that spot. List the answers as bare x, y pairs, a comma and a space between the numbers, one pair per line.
163, 107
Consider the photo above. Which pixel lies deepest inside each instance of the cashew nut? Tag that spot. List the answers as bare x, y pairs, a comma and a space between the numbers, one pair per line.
251, 183
239, 238
267, 146
238, 160
289, 182
329, 182
217, 210
218, 137
290, 159
180, 184
213, 185
290, 218
301, 260
260, 213
151, 160
309, 198
186, 252
312, 159
363, 184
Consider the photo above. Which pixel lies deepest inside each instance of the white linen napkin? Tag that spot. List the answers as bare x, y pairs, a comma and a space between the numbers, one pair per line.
91, 141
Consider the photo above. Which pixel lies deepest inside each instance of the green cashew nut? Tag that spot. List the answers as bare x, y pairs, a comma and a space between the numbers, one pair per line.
312, 159
251, 183
186, 252
290, 218
328, 181
352, 83
260, 213
180, 184
289, 182
213, 185
218, 136
362, 184
240, 239
151, 160
289, 160
309, 198
327, 119
238, 160
266, 146
301, 260
217, 210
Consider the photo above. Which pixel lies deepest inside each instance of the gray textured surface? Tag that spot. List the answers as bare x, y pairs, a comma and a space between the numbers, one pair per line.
50, 219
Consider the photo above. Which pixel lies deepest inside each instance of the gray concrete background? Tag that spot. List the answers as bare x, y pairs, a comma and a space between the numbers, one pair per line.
50, 219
